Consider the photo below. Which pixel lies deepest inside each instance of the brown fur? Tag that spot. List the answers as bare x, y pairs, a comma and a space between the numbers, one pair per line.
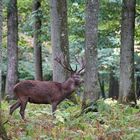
43, 92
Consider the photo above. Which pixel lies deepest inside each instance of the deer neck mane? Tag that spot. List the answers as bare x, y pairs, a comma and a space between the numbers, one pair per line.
69, 85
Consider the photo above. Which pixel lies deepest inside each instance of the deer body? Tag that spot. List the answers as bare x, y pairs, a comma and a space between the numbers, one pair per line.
43, 92
46, 92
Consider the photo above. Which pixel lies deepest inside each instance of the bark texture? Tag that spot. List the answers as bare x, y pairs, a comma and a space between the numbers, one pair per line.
12, 46
126, 88
113, 86
3, 134
37, 39
91, 91
102, 86
138, 86
59, 38
0, 48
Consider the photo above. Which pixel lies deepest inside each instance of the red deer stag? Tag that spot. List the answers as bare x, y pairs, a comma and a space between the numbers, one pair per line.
46, 92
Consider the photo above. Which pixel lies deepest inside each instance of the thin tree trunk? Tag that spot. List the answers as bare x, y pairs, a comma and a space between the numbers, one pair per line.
91, 90
102, 86
0, 48
3, 84
113, 86
138, 86
127, 87
59, 38
12, 46
37, 40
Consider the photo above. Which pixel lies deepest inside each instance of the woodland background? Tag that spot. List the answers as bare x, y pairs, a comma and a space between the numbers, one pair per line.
106, 33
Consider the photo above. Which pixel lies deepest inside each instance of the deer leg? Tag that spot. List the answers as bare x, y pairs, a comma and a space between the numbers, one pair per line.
54, 107
14, 107
22, 108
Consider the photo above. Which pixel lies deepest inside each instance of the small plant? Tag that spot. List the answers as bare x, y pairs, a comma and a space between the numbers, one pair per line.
112, 121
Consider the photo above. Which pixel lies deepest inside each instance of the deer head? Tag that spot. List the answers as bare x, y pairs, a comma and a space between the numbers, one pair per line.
74, 74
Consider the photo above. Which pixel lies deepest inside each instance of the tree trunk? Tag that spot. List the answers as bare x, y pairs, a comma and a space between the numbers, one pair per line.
0, 49
3, 84
59, 38
113, 86
37, 39
102, 86
12, 46
91, 89
138, 86
127, 88
3, 133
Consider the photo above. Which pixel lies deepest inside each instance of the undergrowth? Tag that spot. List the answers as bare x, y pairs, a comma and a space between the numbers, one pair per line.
112, 121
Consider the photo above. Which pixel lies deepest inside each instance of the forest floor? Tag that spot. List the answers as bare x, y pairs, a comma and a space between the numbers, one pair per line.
113, 121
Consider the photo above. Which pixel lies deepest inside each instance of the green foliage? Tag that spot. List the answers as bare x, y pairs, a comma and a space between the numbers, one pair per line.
112, 121
109, 28
76, 24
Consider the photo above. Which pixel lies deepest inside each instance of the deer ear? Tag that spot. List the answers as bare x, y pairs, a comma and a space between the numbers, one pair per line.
82, 72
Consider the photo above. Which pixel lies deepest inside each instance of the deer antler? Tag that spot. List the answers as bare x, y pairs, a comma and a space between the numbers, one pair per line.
64, 64
81, 63
68, 67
